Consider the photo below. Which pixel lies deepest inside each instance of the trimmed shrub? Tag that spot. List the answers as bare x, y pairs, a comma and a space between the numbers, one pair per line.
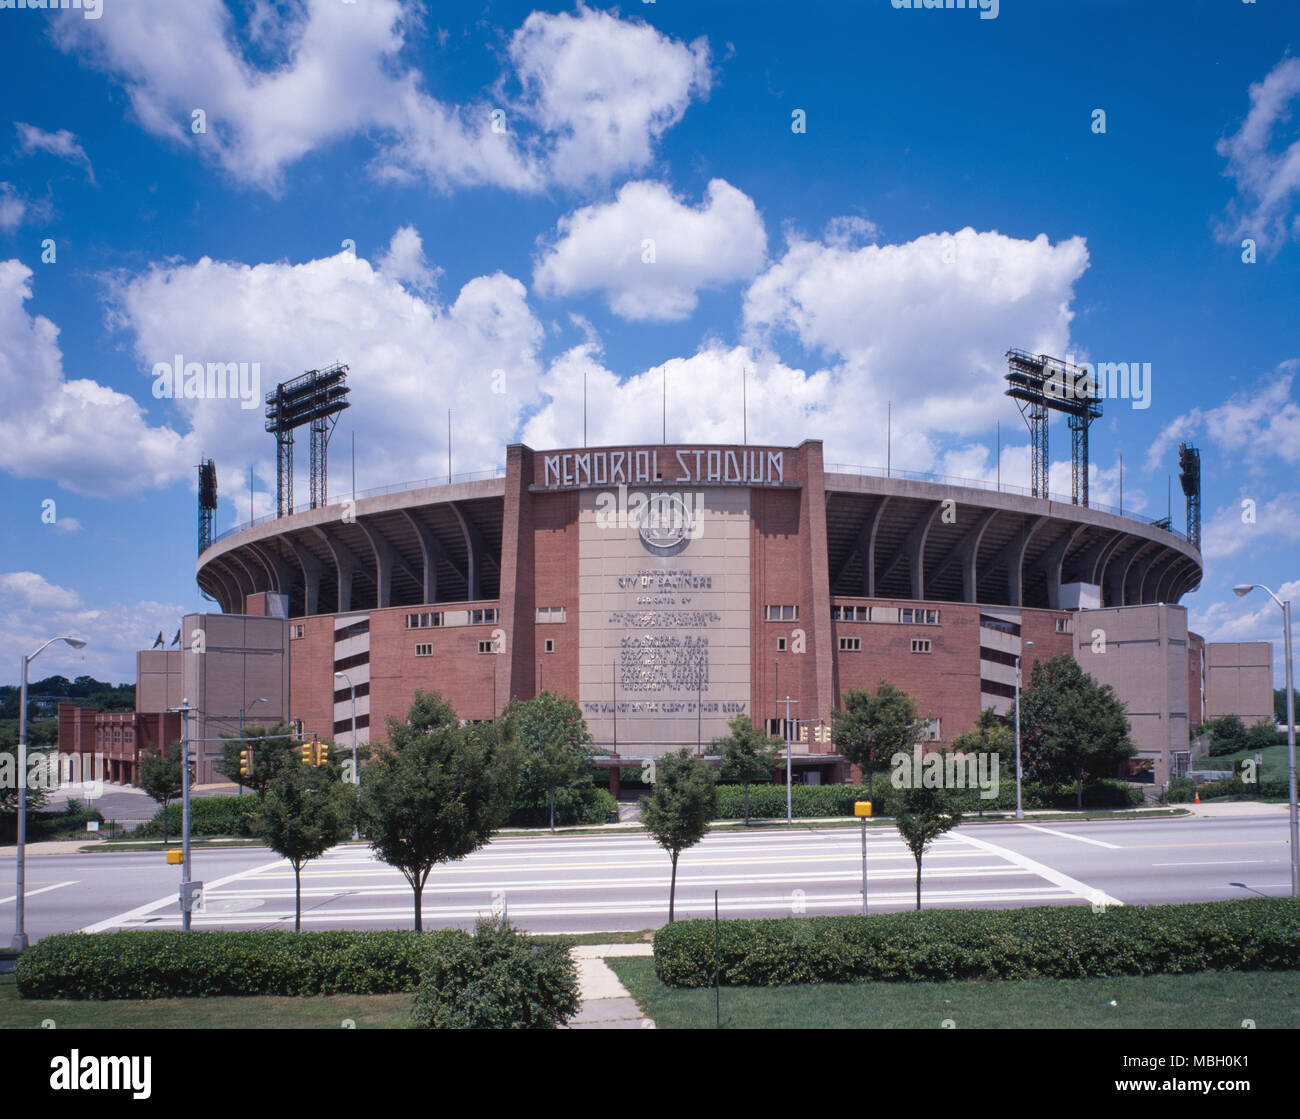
768, 801
69, 823
216, 815
157, 963
1181, 790
1060, 942
574, 805
498, 979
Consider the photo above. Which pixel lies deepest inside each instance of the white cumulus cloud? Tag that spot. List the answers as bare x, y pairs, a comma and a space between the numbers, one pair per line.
1264, 165
597, 91
649, 253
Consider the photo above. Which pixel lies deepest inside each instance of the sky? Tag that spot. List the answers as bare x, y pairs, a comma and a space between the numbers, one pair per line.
856, 208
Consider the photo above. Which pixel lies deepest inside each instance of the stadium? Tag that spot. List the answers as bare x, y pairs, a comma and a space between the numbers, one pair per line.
668, 588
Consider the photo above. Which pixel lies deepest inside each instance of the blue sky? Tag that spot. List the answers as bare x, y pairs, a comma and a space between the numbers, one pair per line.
950, 195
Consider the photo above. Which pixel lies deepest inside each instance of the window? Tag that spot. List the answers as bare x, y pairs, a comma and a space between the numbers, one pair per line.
550, 614
483, 617
848, 613
850, 644
914, 616
424, 650
781, 613
1062, 625
550, 644
777, 728
297, 631
487, 646
127, 738
920, 644
931, 731
780, 644
1001, 626
423, 621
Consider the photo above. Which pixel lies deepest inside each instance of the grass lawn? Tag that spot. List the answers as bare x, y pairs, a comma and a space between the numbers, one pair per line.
1273, 760
222, 1013
1209, 1000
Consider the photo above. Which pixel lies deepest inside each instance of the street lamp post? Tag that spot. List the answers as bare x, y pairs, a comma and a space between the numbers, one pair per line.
20, 878
1244, 589
1020, 812
356, 773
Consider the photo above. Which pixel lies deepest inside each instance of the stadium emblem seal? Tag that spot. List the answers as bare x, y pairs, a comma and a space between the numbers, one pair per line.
666, 523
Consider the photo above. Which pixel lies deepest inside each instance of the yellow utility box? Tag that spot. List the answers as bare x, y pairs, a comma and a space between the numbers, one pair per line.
862, 808
175, 856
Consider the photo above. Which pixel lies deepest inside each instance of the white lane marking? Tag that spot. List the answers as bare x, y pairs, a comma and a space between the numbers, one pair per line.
648, 883
1222, 862
133, 915
1071, 835
660, 905
42, 890
1088, 893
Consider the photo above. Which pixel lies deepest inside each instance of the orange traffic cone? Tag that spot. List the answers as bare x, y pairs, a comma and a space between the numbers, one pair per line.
1198, 798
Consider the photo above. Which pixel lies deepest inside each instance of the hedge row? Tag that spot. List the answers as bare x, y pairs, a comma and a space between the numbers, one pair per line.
50, 825
1062, 942
157, 963
768, 801
214, 815
493, 977
574, 805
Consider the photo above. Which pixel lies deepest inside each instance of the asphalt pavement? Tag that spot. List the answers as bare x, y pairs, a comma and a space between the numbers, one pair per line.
619, 880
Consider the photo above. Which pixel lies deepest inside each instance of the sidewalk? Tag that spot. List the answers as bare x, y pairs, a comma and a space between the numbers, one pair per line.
606, 1003
1238, 808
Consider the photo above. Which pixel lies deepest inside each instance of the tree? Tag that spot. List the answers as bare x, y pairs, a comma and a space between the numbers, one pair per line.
160, 777
678, 810
924, 814
1262, 734
552, 734
272, 754
1071, 727
436, 793
990, 736
1279, 704
872, 727
747, 754
306, 810
36, 792
1228, 735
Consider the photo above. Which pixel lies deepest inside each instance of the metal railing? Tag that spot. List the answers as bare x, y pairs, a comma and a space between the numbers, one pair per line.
985, 484
377, 491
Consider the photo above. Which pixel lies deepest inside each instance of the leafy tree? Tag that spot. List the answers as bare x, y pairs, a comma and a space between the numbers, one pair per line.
436, 793
1227, 735
36, 793
552, 734
872, 727
1070, 726
1279, 704
747, 755
1262, 734
160, 777
272, 755
678, 810
991, 736
923, 815
306, 810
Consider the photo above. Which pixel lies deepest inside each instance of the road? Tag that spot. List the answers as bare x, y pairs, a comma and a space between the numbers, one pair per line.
591, 883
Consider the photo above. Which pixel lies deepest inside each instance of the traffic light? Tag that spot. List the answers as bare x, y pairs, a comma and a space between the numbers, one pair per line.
323, 754
306, 753
245, 762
